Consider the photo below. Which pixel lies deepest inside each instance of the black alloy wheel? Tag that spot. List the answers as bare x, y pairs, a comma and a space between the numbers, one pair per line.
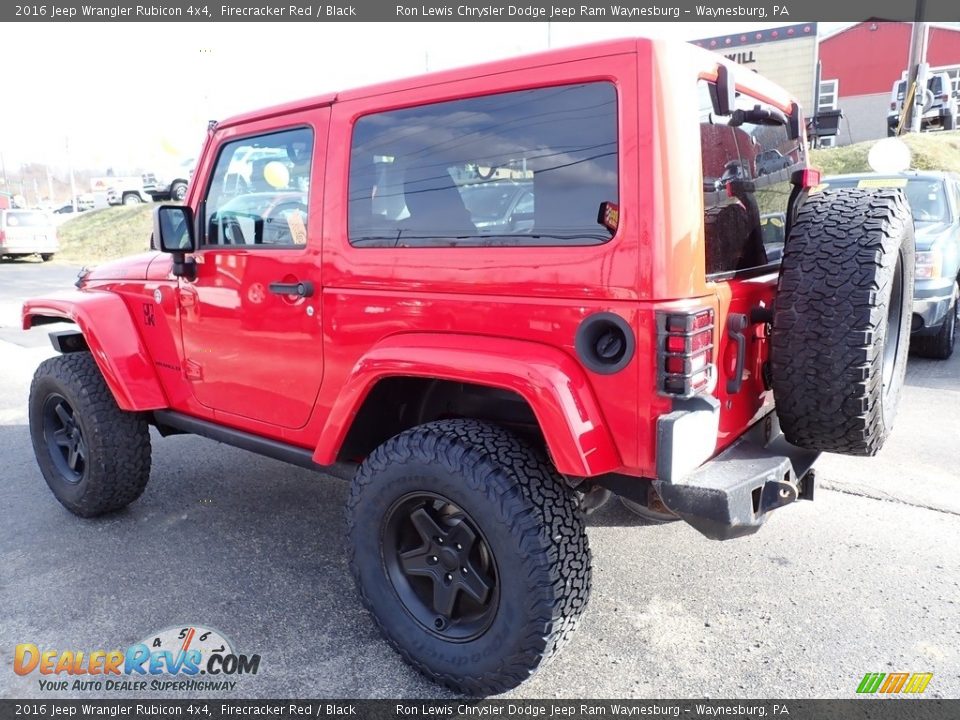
64, 437
440, 565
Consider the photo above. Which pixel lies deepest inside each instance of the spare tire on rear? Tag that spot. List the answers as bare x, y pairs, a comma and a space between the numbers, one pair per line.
841, 325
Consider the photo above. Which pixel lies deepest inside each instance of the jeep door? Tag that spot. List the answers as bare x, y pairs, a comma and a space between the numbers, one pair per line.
250, 319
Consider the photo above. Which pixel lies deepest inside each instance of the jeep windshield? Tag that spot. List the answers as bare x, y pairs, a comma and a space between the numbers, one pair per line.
925, 195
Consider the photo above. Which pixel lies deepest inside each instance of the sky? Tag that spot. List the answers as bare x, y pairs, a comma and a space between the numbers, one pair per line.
139, 95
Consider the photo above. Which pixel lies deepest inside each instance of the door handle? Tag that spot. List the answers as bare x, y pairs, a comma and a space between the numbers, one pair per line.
302, 289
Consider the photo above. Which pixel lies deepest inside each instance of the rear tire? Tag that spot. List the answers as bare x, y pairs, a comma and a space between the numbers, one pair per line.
94, 456
46, 257
949, 122
841, 326
525, 541
178, 191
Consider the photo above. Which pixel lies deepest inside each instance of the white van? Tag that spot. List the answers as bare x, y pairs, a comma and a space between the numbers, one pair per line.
939, 108
27, 232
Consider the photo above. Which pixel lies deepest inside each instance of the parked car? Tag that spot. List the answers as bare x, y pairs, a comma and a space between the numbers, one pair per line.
92, 201
172, 182
484, 389
124, 189
939, 108
27, 232
771, 161
935, 200
67, 209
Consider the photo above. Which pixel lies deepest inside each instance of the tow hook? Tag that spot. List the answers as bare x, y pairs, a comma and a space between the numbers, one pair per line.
775, 494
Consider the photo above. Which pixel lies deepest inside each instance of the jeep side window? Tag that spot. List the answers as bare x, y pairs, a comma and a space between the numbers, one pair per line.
531, 167
746, 186
259, 191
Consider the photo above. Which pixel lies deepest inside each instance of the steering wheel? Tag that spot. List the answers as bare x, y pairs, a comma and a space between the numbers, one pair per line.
276, 227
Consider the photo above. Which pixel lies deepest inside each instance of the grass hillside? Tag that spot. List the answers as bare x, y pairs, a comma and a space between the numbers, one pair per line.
100, 235
931, 151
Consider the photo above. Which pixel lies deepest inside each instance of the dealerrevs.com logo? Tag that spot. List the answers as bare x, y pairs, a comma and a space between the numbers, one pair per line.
182, 658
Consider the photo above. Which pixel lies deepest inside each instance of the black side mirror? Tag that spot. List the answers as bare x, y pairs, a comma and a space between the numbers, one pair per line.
726, 91
173, 233
793, 129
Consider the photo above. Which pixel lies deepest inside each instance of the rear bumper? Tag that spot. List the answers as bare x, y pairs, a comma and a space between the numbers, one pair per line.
935, 117
16, 247
731, 495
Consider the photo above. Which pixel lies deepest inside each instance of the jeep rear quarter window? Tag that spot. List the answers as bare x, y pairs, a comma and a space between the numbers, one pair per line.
746, 187
531, 167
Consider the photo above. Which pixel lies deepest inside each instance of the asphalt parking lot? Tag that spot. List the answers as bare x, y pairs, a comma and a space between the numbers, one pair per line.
864, 579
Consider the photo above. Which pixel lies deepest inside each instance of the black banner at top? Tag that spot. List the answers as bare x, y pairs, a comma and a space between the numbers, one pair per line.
627, 11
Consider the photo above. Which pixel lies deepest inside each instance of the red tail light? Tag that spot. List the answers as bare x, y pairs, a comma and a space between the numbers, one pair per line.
806, 178
810, 178
685, 353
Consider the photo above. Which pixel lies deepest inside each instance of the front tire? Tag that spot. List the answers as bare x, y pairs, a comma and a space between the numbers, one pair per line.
132, 199
94, 456
841, 325
469, 552
46, 257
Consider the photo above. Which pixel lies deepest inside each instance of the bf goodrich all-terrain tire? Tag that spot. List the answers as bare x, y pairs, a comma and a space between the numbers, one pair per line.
469, 552
841, 326
94, 456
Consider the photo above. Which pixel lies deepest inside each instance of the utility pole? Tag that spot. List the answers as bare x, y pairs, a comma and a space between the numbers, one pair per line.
73, 187
48, 165
916, 78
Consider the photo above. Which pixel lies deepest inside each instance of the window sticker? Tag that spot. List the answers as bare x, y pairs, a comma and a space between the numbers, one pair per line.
882, 183
298, 231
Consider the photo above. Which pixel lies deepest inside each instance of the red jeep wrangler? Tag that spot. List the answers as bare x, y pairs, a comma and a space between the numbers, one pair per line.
496, 295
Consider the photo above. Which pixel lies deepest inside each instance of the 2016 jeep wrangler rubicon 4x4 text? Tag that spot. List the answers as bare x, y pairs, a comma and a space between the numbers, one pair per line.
496, 295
